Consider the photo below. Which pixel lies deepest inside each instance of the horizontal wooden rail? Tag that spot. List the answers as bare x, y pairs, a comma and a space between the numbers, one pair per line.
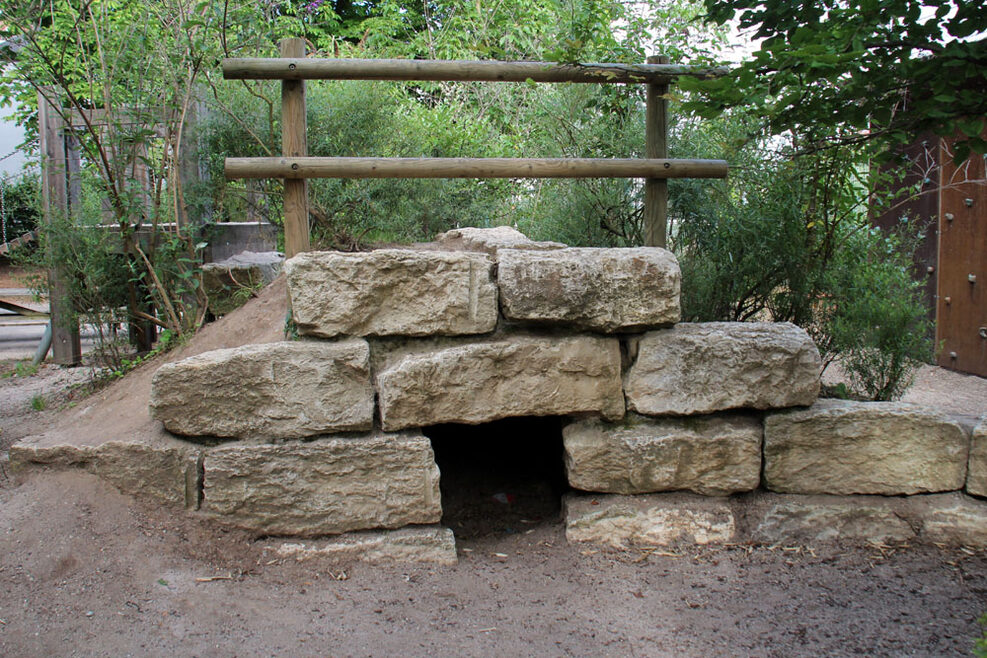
287, 68
312, 167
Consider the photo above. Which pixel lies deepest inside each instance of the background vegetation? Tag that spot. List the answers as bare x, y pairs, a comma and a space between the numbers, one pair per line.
787, 237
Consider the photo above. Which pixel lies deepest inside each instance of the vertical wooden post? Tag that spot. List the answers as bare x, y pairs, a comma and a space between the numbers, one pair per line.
294, 143
656, 146
66, 346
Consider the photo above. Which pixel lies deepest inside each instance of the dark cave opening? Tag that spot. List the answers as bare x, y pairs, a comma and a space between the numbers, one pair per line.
500, 478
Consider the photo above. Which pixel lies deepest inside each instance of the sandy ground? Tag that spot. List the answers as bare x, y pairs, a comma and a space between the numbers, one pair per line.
86, 571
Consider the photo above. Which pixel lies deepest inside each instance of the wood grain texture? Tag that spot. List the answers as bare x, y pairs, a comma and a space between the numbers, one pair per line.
656, 146
294, 143
286, 68
318, 167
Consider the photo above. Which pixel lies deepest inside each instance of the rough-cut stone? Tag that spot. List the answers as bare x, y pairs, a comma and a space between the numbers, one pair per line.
501, 378
843, 447
706, 367
788, 519
606, 290
162, 473
430, 544
976, 480
270, 391
953, 519
324, 487
711, 455
228, 284
648, 520
491, 240
392, 292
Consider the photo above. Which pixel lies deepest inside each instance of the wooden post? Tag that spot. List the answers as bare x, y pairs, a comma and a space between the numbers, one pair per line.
66, 346
294, 143
656, 189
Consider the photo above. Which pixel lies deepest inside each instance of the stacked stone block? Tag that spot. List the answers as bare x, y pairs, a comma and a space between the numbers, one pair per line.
676, 432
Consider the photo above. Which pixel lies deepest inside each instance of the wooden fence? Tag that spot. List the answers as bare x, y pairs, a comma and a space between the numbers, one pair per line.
295, 166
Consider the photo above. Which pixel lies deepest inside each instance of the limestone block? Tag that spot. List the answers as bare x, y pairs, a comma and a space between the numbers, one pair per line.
792, 519
162, 473
271, 391
500, 378
432, 544
844, 447
605, 290
711, 455
953, 519
705, 367
491, 240
648, 520
976, 480
324, 487
392, 292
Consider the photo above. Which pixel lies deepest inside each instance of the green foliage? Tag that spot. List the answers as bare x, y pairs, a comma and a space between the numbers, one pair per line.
980, 643
21, 369
21, 201
39, 403
839, 73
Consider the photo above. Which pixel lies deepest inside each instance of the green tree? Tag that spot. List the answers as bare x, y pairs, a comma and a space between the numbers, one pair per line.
837, 72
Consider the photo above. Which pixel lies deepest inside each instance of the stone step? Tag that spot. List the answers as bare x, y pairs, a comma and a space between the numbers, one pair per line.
429, 544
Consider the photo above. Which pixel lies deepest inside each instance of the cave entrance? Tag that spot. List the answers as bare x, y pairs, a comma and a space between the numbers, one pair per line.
500, 478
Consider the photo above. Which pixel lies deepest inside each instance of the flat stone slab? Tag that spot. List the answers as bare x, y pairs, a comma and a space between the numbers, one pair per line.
491, 240
713, 366
841, 447
272, 391
392, 292
711, 455
508, 377
953, 519
605, 290
976, 480
323, 487
161, 471
624, 522
793, 519
428, 544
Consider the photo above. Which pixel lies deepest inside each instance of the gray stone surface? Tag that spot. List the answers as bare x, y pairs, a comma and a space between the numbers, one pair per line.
230, 283
392, 292
504, 377
705, 367
712, 455
648, 520
491, 240
792, 519
323, 487
976, 480
428, 544
270, 391
953, 519
605, 290
844, 447
160, 472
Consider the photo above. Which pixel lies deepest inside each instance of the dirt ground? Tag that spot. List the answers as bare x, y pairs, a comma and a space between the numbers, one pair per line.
86, 571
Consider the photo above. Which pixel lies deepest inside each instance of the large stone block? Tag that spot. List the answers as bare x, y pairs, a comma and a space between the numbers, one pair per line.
953, 519
324, 487
976, 480
843, 447
649, 520
606, 290
792, 519
230, 283
501, 378
430, 544
270, 391
491, 240
711, 455
392, 292
162, 472
706, 367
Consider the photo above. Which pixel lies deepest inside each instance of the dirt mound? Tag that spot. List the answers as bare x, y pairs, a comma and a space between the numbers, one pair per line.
120, 410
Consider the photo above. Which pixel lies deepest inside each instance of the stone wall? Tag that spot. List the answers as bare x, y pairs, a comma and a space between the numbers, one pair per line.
675, 431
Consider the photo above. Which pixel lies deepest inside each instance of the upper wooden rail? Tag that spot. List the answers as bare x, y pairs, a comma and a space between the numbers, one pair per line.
316, 167
295, 68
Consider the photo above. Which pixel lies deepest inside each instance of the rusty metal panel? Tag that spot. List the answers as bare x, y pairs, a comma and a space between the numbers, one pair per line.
961, 328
